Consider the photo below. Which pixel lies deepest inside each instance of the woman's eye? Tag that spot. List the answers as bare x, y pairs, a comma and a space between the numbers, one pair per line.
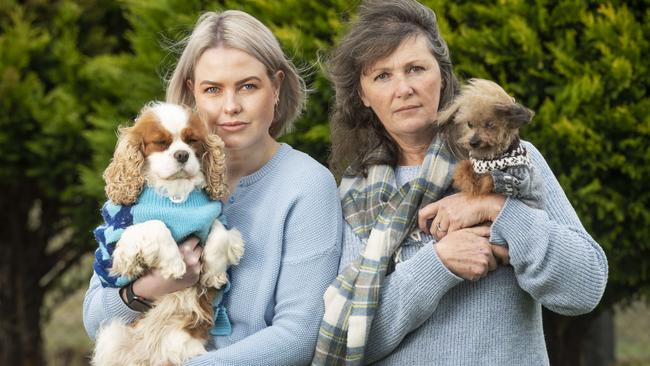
212, 90
249, 86
415, 69
490, 125
382, 76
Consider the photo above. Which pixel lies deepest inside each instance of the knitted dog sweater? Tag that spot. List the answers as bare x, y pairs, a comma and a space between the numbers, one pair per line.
513, 175
194, 216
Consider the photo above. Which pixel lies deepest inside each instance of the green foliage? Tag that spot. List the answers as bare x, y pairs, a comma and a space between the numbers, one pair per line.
582, 66
578, 64
45, 103
71, 72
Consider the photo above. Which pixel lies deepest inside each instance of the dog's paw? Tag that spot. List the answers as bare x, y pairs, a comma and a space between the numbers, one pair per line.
126, 263
236, 247
173, 267
216, 281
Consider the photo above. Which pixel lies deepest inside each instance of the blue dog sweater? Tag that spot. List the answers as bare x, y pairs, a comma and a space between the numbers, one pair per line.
194, 216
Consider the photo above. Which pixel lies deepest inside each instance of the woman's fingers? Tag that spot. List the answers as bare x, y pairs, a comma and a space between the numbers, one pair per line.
441, 228
492, 261
501, 253
467, 253
425, 216
482, 230
191, 250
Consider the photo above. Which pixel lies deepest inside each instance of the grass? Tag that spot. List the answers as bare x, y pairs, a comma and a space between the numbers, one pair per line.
632, 334
64, 337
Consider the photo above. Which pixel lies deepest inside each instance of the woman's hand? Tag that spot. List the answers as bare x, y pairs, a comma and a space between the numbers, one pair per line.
459, 211
153, 285
468, 254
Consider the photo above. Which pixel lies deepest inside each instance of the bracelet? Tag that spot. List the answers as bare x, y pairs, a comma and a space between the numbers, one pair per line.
135, 302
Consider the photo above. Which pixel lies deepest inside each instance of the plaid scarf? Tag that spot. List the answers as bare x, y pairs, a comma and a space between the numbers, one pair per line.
382, 216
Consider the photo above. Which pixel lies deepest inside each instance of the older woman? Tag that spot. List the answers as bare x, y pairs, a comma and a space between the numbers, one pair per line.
404, 297
282, 201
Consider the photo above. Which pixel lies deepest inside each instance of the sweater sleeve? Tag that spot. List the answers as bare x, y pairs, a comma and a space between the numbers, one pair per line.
310, 260
554, 258
104, 304
409, 295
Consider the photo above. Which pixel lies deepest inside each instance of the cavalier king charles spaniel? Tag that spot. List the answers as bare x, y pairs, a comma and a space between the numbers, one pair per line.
164, 183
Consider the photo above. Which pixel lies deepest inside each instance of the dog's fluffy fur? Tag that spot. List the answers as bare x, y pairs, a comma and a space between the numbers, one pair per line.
487, 120
152, 152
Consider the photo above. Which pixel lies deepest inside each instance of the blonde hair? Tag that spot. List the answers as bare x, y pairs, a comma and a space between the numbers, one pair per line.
239, 30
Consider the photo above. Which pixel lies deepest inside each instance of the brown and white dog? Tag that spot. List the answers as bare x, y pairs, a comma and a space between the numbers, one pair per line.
170, 149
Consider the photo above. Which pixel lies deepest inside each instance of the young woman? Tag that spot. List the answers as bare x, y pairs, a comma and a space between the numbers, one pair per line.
445, 301
284, 203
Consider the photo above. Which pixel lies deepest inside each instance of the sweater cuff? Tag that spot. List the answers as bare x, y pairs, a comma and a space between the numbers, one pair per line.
114, 305
428, 273
520, 227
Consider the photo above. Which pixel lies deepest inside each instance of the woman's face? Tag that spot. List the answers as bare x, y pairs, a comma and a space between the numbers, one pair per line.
233, 90
403, 89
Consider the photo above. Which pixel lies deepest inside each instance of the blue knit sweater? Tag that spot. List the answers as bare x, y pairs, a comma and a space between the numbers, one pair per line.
194, 216
429, 316
290, 218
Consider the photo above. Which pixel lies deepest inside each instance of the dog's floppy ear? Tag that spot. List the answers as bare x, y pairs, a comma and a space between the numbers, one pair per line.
214, 166
123, 176
515, 114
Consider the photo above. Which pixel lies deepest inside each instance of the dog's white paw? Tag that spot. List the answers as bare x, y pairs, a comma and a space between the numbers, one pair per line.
126, 262
236, 247
216, 281
172, 268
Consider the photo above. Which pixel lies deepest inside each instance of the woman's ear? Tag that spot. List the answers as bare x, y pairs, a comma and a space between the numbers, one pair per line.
278, 77
214, 166
123, 176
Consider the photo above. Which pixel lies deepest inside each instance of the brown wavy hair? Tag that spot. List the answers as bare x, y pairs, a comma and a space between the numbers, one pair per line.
359, 139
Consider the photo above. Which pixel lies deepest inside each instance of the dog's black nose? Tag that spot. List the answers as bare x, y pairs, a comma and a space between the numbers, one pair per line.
181, 156
474, 142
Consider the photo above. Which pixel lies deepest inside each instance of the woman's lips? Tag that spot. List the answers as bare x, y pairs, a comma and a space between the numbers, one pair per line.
406, 108
233, 126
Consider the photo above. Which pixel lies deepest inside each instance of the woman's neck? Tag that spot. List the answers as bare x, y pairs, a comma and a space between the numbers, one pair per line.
240, 163
413, 148
413, 155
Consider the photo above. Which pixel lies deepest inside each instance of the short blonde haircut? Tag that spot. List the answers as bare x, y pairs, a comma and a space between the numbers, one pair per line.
239, 30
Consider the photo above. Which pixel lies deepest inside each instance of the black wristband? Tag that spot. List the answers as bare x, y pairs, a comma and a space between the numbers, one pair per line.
135, 302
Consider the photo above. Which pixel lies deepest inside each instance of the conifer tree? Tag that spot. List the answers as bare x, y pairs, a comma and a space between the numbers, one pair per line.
44, 102
582, 66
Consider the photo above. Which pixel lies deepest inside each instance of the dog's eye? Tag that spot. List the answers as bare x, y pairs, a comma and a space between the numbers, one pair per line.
160, 142
191, 141
470, 125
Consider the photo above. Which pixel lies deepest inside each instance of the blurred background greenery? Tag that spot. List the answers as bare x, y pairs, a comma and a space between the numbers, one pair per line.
72, 71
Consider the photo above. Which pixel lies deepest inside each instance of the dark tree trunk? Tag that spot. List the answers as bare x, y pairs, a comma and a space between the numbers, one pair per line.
585, 340
21, 296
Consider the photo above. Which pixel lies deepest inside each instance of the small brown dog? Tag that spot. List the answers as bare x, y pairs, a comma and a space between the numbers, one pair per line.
486, 121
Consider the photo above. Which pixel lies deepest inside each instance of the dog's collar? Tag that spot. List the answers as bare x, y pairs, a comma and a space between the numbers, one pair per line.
517, 155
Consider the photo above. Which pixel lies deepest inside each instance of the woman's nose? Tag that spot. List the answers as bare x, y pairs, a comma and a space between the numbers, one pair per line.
232, 105
404, 88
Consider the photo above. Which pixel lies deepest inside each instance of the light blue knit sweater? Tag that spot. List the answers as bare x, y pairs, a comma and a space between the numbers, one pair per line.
290, 217
429, 316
